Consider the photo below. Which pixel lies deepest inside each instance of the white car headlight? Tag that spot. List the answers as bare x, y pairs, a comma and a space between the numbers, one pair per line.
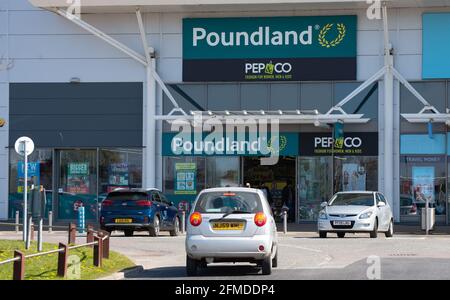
366, 215
323, 215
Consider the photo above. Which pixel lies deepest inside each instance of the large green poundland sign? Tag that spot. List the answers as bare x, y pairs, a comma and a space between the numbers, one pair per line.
270, 48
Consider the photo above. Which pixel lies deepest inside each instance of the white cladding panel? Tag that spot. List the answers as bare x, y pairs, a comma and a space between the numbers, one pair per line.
38, 38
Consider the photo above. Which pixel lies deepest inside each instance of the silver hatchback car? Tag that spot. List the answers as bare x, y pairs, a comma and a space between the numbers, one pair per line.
231, 224
356, 211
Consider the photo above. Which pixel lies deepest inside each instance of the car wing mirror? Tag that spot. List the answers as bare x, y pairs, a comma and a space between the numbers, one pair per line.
323, 204
381, 204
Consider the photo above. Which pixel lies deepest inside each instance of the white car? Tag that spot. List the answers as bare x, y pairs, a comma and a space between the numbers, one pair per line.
231, 224
356, 212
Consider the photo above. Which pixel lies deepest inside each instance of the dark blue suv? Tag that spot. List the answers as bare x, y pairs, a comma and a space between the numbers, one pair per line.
132, 210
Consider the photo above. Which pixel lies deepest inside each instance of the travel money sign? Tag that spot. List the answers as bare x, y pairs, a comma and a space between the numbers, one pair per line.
269, 48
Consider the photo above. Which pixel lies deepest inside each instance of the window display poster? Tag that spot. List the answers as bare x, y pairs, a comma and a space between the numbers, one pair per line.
118, 174
423, 184
185, 183
33, 175
354, 177
78, 178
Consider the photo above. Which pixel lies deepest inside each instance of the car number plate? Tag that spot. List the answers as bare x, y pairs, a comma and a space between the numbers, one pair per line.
124, 221
342, 223
228, 226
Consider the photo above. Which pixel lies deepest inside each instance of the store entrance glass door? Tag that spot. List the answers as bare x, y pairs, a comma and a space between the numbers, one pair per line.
76, 183
277, 180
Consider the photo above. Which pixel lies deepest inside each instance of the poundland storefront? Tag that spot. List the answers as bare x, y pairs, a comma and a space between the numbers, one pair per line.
305, 161
301, 65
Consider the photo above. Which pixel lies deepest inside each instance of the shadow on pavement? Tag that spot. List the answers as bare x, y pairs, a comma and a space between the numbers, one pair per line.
211, 271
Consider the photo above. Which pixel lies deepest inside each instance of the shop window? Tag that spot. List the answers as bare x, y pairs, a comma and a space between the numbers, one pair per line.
40, 165
314, 185
119, 168
422, 178
355, 173
222, 171
77, 183
184, 177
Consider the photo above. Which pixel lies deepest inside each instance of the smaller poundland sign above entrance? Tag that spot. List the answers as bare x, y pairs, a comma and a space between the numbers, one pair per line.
269, 48
175, 144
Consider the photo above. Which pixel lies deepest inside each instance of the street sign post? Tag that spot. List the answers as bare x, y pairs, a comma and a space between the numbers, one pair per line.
24, 146
81, 219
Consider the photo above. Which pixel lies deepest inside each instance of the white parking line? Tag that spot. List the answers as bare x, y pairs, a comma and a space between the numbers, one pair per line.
326, 261
408, 238
302, 248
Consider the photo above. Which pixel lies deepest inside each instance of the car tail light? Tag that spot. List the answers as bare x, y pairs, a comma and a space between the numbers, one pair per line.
144, 203
196, 219
260, 219
229, 194
107, 202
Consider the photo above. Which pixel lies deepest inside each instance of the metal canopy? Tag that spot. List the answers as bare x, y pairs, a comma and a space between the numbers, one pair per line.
102, 6
283, 116
428, 115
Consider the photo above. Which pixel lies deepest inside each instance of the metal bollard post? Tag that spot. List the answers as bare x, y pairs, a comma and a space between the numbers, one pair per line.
31, 231
28, 235
284, 222
183, 221
50, 221
19, 266
72, 233
39, 245
17, 221
62, 260
98, 251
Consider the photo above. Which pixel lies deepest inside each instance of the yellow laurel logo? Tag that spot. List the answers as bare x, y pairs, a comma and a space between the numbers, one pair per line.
282, 143
2, 122
342, 31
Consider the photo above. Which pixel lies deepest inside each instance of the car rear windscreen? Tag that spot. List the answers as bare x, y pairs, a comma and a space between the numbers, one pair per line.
224, 202
124, 196
362, 199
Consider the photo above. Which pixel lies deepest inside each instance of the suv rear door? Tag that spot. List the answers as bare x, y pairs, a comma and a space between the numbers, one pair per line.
125, 202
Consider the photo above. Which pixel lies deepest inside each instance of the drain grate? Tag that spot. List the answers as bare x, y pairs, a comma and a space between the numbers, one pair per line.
403, 254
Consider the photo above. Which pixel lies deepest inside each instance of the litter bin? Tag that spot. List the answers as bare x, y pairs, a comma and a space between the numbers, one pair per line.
431, 218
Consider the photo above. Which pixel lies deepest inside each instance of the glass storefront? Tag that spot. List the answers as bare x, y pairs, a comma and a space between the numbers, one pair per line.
326, 167
40, 164
422, 178
302, 179
77, 185
185, 176
222, 171
355, 173
423, 175
314, 185
119, 168
80, 177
